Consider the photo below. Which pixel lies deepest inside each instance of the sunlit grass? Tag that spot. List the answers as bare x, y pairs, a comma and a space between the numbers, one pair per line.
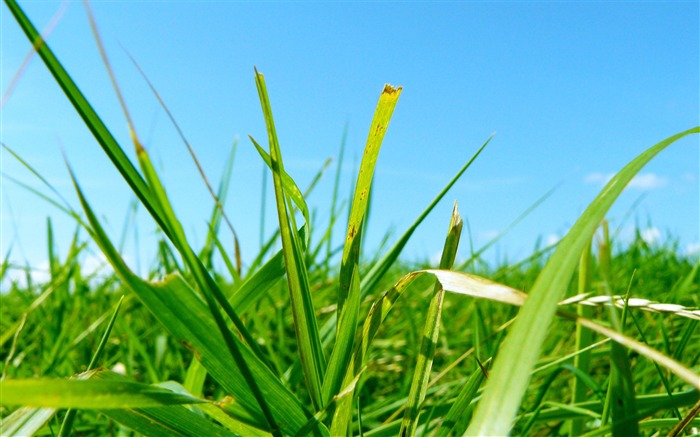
298, 343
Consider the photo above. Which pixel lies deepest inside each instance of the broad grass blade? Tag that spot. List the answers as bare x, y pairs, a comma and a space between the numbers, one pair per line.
421, 374
310, 351
478, 287
167, 421
26, 421
349, 281
187, 318
513, 365
88, 394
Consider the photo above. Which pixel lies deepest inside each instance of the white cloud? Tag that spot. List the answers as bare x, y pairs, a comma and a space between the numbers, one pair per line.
647, 181
598, 178
38, 275
692, 249
489, 234
651, 235
552, 239
643, 181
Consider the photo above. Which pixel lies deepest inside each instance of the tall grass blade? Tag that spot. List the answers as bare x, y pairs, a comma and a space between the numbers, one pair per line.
376, 273
349, 280
70, 414
88, 394
350, 259
187, 318
460, 406
514, 363
289, 187
584, 338
421, 374
310, 351
85, 110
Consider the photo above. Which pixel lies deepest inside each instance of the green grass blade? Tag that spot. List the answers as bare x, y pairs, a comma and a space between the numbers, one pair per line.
67, 423
88, 394
288, 185
218, 209
25, 421
380, 122
349, 281
310, 351
514, 363
93, 122
375, 274
187, 318
167, 422
461, 404
421, 374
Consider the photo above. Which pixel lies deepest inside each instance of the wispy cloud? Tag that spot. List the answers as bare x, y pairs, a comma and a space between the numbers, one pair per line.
692, 249
552, 239
489, 234
651, 235
643, 181
598, 178
647, 181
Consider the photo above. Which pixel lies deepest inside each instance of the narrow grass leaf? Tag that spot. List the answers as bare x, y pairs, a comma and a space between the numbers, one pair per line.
421, 374
310, 351
514, 363
288, 185
88, 394
375, 274
349, 281
187, 318
584, 338
380, 122
67, 423
460, 406
84, 109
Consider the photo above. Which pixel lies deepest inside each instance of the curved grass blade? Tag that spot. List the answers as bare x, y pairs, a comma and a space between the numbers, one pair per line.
93, 122
421, 374
187, 318
219, 208
349, 280
310, 351
67, 423
288, 185
26, 421
514, 364
478, 287
375, 274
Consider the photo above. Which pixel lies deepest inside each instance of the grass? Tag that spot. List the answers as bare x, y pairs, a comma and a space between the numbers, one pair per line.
297, 345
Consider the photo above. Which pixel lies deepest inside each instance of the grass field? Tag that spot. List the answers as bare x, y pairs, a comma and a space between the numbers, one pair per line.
587, 337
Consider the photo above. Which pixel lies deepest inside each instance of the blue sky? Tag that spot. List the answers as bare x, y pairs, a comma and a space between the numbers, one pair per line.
573, 90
